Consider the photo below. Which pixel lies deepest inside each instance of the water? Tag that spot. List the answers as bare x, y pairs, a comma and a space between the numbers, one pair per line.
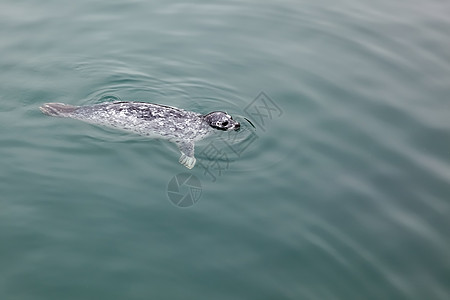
343, 196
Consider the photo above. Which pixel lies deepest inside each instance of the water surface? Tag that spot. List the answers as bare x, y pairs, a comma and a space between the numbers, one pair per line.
343, 192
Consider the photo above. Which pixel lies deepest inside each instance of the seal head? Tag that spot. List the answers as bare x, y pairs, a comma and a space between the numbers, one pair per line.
221, 120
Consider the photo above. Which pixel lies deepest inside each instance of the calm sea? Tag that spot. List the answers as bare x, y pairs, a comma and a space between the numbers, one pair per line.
341, 191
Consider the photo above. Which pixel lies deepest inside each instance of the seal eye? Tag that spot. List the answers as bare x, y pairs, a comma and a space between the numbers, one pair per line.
225, 123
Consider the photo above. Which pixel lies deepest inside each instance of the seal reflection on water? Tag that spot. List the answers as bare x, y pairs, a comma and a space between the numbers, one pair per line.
157, 121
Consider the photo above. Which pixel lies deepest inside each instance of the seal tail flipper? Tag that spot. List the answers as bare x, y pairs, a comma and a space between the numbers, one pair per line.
58, 109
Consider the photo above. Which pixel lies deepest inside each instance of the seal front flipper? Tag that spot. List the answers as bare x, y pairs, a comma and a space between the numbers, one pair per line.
187, 158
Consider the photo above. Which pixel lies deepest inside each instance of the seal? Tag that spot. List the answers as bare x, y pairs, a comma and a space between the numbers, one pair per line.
182, 127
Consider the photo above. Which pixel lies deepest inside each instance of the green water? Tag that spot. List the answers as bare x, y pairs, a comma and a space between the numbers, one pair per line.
343, 193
